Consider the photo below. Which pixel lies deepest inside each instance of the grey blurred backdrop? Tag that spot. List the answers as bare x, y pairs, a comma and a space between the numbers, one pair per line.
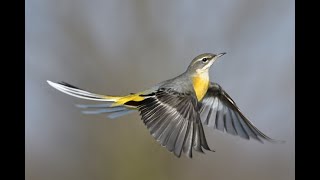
121, 46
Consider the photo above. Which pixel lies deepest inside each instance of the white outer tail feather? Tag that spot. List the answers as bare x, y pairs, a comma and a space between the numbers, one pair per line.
115, 111
79, 93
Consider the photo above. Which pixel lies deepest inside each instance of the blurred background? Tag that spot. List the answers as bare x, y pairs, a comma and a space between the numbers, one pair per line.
117, 47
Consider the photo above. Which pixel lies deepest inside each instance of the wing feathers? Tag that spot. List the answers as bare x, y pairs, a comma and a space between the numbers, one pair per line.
187, 147
181, 138
229, 122
173, 120
196, 138
174, 135
238, 126
203, 139
219, 109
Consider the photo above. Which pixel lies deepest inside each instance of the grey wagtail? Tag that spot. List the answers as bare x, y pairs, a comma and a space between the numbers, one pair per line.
175, 110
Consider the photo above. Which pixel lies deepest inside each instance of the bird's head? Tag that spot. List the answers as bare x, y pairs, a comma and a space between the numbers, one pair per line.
203, 62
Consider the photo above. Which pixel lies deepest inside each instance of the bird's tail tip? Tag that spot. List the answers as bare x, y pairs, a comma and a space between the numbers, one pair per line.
79, 93
49, 82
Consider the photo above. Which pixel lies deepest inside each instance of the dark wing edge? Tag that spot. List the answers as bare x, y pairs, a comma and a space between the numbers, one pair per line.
173, 120
218, 110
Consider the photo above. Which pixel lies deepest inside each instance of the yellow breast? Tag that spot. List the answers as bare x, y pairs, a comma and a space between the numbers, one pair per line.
200, 85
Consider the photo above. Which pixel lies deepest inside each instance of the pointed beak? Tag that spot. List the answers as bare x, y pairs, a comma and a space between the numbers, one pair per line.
221, 54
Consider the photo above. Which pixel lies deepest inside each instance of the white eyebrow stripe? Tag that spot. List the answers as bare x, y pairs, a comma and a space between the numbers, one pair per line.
197, 60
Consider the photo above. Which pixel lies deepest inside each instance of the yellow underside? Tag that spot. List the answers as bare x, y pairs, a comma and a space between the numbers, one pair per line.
123, 99
200, 85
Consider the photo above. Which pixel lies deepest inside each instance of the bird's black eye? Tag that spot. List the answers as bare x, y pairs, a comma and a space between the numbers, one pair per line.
204, 60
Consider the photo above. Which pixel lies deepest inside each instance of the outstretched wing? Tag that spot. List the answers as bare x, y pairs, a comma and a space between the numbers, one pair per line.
174, 121
218, 110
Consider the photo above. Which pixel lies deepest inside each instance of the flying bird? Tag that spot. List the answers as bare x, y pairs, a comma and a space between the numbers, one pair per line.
175, 110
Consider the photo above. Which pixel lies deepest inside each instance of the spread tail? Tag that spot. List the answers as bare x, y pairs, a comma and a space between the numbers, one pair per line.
116, 106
